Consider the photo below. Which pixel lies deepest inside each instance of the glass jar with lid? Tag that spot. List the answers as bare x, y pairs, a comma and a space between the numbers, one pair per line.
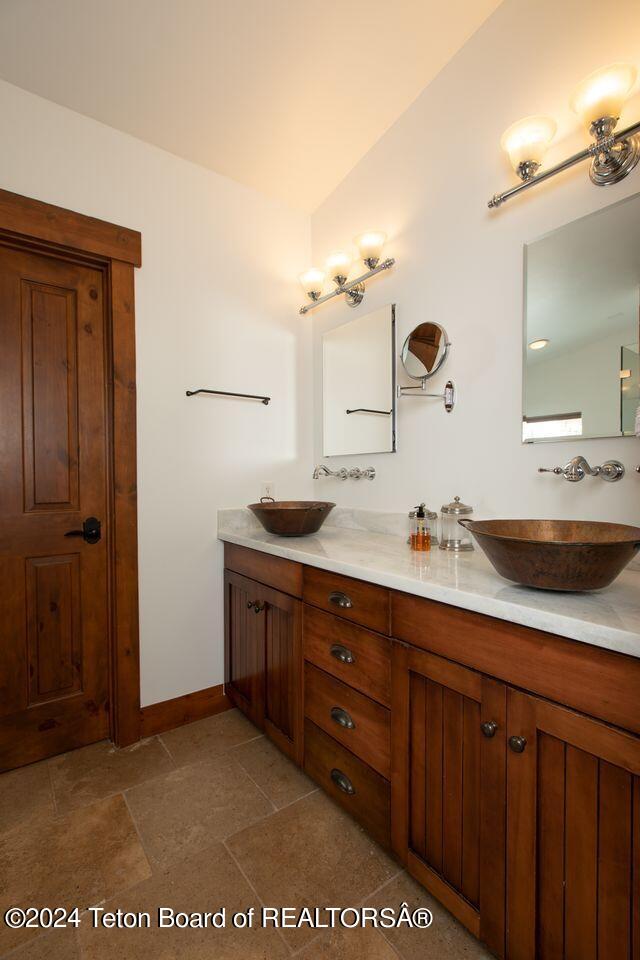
453, 537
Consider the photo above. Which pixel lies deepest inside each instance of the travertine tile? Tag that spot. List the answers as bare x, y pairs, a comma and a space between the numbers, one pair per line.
310, 854
100, 770
25, 793
445, 939
209, 738
274, 773
205, 882
75, 860
193, 807
357, 944
60, 944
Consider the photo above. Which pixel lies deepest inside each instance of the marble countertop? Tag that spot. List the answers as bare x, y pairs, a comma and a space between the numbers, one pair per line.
369, 545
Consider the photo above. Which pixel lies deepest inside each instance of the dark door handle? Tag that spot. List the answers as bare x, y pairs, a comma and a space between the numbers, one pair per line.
342, 781
342, 718
343, 654
341, 600
91, 530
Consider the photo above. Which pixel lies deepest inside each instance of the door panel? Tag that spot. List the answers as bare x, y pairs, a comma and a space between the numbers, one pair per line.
283, 671
54, 631
244, 682
54, 658
440, 764
50, 396
572, 836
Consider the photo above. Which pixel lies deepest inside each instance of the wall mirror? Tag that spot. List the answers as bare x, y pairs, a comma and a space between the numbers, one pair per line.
358, 385
425, 350
581, 327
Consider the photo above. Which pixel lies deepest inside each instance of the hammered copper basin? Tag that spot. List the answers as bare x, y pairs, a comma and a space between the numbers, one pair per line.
571, 555
292, 518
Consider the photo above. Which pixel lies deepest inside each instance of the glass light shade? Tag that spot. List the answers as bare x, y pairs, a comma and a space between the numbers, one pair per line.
370, 246
526, 141
538, 344
312, 282
338, 264
603, 92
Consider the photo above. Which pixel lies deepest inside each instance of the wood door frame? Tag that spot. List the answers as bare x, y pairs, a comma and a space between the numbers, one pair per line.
116, 251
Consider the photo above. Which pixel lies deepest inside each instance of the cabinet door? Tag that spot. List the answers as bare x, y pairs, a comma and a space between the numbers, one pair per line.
244, 627
283, 671
573, 846
448, 786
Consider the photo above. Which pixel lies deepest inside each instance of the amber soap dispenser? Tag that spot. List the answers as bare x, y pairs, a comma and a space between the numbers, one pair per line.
419, 532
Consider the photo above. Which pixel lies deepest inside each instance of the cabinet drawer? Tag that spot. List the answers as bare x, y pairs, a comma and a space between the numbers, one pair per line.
363, 603
284, 575
354, 720
360, 790
358, 657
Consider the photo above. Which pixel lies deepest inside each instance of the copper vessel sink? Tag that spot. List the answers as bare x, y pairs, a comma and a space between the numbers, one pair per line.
292, 518
571, 555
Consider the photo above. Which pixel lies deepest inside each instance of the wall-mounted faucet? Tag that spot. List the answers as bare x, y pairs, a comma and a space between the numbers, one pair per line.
343, 474
578, 468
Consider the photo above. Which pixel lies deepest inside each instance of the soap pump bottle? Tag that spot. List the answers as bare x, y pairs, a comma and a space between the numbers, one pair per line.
420, 534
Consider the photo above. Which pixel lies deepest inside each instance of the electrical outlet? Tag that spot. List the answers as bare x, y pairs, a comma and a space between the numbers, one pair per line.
268, 489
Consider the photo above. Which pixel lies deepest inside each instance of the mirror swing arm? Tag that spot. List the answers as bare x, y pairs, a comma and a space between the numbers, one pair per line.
448, 397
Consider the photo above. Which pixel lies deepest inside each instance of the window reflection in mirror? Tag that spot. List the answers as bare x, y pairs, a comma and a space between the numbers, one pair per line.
582, 313
358, 385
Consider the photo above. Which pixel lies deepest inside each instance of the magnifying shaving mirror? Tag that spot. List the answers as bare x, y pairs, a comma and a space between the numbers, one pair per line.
423, 354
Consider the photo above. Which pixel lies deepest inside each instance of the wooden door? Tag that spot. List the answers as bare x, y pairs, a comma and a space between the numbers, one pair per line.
573, 842
283, 671
54, 653
245, 631
447, 786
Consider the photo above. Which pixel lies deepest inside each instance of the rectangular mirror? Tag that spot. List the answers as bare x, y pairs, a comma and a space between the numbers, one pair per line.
358, 385
581, 327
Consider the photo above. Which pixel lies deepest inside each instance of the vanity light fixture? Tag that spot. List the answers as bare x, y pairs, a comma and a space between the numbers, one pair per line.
338, 266
538, 344
312, 282
598, 100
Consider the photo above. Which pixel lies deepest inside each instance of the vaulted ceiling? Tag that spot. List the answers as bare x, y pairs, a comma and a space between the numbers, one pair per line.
281, 95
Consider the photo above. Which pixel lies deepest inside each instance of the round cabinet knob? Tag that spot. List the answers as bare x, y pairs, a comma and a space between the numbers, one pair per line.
489, 728
517, 744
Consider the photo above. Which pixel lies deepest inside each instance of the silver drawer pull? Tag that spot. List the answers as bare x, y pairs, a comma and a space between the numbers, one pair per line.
342, 781
341, 600
343, 654
342, 718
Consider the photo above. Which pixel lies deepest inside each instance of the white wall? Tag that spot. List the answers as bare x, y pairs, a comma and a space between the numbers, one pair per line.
215, 307
427, 182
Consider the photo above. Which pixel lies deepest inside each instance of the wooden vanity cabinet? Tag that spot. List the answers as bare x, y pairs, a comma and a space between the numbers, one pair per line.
501, 762
264, 659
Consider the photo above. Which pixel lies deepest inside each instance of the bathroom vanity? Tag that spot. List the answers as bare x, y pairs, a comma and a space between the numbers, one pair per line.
488, 734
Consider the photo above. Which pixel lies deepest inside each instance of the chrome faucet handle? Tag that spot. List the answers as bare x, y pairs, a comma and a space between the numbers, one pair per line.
557, 470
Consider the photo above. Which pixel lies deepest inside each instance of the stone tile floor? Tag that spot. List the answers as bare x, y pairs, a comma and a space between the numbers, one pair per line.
206, 816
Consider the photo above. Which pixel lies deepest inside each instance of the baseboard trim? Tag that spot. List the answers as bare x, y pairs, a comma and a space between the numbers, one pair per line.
159, 717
